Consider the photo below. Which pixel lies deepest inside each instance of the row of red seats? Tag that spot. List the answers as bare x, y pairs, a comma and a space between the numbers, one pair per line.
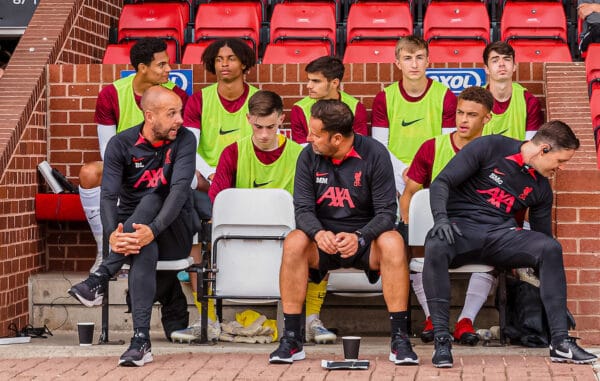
301, 31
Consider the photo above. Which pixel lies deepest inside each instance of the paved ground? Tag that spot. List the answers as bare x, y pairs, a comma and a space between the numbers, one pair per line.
60, 358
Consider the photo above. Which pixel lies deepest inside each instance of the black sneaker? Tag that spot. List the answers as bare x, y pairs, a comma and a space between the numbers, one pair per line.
442, 356
290, 350
90, 291
401, 352
568, 351
139, 351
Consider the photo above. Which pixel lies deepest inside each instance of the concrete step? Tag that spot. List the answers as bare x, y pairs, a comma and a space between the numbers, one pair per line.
51, 305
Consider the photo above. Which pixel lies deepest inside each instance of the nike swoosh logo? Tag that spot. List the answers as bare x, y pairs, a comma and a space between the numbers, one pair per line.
498, 172
406, 124
137, 160
568, 355
502, 132
258, 185
225, 132
320, 174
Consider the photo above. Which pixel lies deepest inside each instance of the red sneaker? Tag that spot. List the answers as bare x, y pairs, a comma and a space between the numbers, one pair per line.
427, 334
464, 332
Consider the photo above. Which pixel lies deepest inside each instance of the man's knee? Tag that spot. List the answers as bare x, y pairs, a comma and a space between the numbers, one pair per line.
90, 175
436, 253
390, 248
296, 245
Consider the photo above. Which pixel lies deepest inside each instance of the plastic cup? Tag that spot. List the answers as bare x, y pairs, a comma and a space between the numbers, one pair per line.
351, 346
86, 333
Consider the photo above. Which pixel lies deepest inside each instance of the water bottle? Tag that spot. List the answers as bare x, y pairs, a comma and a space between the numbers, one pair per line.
46, 171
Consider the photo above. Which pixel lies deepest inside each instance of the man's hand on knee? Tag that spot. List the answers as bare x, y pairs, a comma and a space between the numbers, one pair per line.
445, 230
326, 241
124, 243
347, 244
143, 233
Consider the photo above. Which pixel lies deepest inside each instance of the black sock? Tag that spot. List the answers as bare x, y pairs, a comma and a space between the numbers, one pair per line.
399, 322
293, 323
558, 339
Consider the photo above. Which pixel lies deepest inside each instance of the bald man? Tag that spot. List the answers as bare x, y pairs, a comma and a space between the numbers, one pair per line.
148, 169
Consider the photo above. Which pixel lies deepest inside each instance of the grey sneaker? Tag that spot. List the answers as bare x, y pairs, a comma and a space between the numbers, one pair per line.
193, 332
317, 332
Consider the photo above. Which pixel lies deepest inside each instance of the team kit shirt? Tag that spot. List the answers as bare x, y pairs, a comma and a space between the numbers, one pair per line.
489, 183
518, 117
220, 121
118, 105
243, 165
412, 120
300, 116
137, 168
431, 158
356, 193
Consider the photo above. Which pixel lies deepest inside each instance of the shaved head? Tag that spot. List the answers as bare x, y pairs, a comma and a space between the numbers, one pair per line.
155, 97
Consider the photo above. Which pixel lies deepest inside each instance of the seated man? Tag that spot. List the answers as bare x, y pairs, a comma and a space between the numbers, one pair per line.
491, 179
473, 111
345, 204
146, 209
266, 159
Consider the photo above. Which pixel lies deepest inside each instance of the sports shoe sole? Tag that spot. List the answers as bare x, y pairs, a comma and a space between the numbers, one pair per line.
444, 365
469, 339
404, 361
564, 360
84, 301
295, 357
325, 339
146, 359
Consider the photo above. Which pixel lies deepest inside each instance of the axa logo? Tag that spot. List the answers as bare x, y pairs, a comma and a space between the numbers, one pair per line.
152, 178
499, 198
337, 197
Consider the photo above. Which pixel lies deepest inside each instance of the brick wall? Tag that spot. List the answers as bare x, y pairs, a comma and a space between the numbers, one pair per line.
57, 26
577, 202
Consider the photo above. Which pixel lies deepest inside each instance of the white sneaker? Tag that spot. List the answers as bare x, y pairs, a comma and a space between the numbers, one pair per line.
193, 332
319, 334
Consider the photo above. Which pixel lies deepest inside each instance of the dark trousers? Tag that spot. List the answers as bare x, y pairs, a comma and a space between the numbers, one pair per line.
505, 247
173, 243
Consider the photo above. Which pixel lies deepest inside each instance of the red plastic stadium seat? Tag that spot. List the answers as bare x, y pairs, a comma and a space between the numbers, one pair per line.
595, 111
163, 20
382, 52
311, 23
543, 23
294, 52
540, 51
373, 30
592, 67
119, 53
465, 24
228, 19
455, 51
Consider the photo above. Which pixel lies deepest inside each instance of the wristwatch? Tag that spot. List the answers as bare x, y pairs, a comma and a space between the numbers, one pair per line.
361, 239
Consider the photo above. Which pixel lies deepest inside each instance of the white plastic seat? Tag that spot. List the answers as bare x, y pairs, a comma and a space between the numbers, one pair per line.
420, 221
248, 229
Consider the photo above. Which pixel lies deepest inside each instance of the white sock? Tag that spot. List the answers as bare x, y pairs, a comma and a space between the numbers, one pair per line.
417, 284
480, 285
90, 200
